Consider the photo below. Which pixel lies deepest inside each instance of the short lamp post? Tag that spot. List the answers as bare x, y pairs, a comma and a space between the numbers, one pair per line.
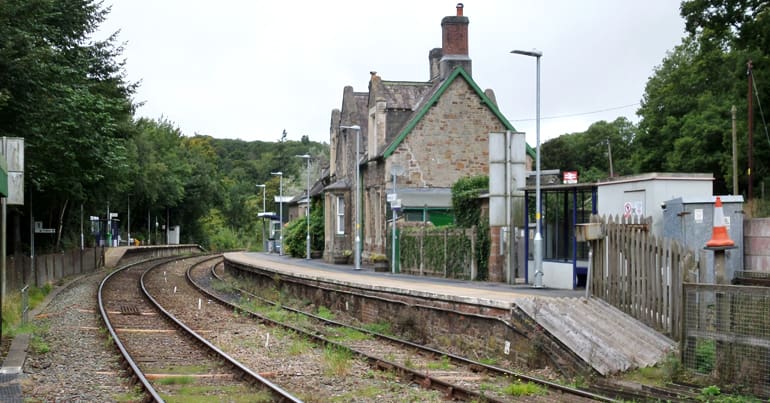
280, 205
264, 241
128, 207
307, 240
357, 251
538, 235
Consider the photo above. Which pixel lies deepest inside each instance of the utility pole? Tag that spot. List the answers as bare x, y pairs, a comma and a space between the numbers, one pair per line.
735, 153
609, 156
751, 128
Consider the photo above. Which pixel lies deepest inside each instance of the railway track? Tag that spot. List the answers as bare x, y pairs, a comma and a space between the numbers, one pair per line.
309, 370
599, 390
168, 359
151, 309
456, 377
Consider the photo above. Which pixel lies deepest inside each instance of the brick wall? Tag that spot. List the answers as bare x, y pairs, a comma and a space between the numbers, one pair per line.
756, 238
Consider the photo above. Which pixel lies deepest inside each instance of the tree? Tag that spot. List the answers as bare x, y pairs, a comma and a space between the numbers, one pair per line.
589, 152
686, 122
66, 95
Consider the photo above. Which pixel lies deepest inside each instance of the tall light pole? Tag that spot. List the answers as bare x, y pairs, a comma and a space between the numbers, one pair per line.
280, 204
538, 235
307, 241
395, 170
357, 251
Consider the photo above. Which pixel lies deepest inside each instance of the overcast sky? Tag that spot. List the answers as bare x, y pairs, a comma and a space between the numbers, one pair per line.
249, 69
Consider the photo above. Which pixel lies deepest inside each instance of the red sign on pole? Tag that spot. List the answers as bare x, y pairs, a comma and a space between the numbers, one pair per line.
570, 177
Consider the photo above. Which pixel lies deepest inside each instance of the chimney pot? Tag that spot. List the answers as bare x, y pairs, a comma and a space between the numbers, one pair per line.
459, 9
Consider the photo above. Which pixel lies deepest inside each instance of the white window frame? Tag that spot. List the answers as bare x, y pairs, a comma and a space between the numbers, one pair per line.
340, 215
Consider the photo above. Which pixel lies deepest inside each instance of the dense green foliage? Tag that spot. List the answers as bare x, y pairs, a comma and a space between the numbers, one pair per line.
465, 203
594, 148
439, 251
465, 199
66, 95
295, 239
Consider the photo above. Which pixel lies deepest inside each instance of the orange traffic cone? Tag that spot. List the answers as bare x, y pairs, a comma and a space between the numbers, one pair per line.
719, 235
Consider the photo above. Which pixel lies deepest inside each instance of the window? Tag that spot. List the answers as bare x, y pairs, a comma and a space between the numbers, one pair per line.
340, 215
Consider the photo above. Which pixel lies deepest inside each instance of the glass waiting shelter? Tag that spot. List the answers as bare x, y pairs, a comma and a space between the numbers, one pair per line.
565, 261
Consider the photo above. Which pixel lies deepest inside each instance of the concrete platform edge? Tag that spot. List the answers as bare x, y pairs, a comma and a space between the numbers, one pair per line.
415, 293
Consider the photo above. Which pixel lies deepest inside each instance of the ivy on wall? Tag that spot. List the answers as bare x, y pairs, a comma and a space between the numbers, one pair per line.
446, 251
442, 252
465, 203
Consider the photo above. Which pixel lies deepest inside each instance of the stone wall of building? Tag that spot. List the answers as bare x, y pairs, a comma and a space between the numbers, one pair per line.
450, 142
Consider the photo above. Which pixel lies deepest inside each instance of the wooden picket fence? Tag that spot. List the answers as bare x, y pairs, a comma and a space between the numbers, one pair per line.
639, 273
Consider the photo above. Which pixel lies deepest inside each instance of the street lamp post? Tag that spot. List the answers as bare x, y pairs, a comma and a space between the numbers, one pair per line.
538, 235
357, 251
395, 170
264, 241
280, 205
307, 241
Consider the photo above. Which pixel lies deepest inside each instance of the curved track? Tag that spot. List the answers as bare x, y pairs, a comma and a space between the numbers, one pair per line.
165, 356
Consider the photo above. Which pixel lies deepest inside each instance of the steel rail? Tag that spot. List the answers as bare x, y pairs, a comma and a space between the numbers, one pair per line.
137, 372
423, 379
279, 392
456, 358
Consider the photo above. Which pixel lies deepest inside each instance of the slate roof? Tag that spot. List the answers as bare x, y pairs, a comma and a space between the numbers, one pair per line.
342, 184
404, 94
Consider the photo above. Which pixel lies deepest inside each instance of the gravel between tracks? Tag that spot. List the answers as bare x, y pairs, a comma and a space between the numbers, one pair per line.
80, 365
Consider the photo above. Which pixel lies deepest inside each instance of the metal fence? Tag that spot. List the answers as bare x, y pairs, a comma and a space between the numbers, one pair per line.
726, 337
438, 252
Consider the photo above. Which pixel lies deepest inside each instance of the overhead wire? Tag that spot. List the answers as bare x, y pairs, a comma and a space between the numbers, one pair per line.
759, 104
614, 108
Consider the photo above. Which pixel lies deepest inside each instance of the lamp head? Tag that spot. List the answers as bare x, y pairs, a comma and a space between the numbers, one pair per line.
279, 173
533, 52
354, 127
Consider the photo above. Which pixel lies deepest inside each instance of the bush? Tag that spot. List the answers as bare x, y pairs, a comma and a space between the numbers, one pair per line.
224, 239
295, 232
294, 237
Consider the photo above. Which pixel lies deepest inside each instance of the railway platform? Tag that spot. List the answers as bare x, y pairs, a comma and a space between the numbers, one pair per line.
602, 336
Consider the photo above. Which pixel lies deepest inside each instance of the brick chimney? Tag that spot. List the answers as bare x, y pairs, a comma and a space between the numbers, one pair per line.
454, 43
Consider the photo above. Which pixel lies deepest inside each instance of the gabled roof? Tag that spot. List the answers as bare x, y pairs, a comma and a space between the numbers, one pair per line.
438, 91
